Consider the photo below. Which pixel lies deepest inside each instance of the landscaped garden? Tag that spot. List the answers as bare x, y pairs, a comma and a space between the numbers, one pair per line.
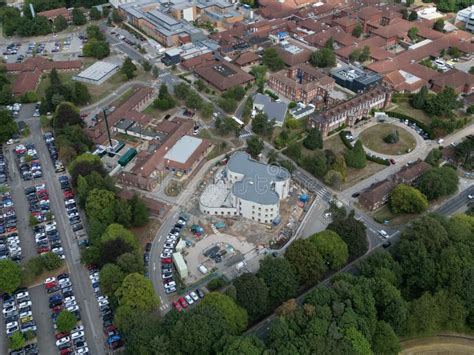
389, 139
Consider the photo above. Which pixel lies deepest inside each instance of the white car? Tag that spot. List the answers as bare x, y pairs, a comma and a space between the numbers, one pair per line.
165, 255
94, 275
69, 299
194, 296
72, 308
24, 304
103, 303
50, 226
383, 234
63, 281
70, 304
22, 295
76, 335
25, 314
12, 324
169, 246
83, 350
470, 197
78, 328
170, 284
63, 341
11, 330
188, 299
102, 298
58, 250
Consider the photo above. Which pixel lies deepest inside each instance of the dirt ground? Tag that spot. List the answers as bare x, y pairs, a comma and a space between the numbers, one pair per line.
446, 345
146, 233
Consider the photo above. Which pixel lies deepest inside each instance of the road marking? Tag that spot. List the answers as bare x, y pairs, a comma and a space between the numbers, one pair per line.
154, 266
159, 239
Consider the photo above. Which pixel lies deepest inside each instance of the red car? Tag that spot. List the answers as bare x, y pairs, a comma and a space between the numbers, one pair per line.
392, 161
57, 308
65, 351
61, 335
109, 329
166, 260
42, 250
183, 302
177, 306
51, 284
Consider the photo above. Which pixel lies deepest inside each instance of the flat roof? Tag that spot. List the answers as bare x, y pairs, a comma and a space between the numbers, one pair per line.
97, 70
183, 149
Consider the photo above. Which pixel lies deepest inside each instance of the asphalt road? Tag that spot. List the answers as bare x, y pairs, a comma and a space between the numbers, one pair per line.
456, 203
79, 277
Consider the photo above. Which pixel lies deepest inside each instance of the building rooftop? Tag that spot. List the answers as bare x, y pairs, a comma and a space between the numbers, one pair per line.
183, 149
223, 75
97, 70
273, 110
258, 178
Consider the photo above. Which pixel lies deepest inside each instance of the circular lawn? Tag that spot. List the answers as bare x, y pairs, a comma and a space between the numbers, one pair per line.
373, 138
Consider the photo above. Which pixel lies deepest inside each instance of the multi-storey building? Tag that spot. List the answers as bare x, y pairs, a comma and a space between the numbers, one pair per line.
351, 111
301, 83
247, 188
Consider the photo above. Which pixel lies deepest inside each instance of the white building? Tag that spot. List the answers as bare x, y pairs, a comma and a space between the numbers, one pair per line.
466, 16
97, 73
247, 188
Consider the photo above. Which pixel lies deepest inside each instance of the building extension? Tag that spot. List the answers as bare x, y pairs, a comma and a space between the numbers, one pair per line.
247, 188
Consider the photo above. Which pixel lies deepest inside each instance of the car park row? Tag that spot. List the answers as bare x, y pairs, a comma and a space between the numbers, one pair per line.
53, 152
18, 316
113, 339
9, 239
28, 162
62, 298
70, 204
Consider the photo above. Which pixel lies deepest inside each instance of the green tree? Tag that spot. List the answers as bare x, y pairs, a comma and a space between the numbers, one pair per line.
8, 126
438, 25
51, 261
100, 204
116, 17
234, 316
407, 199
357, 31
16, 341
293, 151
252, 295
314, 139
130, 262
66, 321
413, 33
60, 23
333, 178
137, 293
316, 163
94, 32
115, 232
439, 182
424, 316
146, 66
96, 49
128, 68
442, 103
227, 104
243, 345
193, 100
207, 110
332, 248
78, 17
420, 98
139, 211
306, 260
353, 233
181, 91
360, 54
323, 58
111, 277
262, 126
10, 276
95, 14
355, 158
272, 60
254, 146
280, 279
79, 93
360, 344
66, 114
433, 158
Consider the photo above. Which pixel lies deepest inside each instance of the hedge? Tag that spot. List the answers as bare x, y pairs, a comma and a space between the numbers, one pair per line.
402, 116
349, 146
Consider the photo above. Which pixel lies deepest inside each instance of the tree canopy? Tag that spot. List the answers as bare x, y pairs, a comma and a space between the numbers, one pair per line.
272, 60
439, 182
66, 321
10, 276
332, 248
323, 58
407, 199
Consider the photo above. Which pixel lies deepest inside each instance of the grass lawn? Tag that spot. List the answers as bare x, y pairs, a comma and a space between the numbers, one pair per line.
384, 214
405, 108
373, 137
220, 146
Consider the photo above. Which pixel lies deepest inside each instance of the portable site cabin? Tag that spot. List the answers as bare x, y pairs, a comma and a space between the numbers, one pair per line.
180, 265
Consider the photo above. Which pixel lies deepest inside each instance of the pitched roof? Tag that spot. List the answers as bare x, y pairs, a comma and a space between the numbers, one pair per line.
55, 13
412, 172
246, 58
454, 78
223, 75
377, 192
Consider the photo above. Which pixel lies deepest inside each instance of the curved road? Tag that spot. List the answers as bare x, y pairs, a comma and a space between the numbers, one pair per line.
113, 96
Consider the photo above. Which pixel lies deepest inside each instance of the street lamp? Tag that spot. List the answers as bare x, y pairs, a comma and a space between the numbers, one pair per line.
106, 111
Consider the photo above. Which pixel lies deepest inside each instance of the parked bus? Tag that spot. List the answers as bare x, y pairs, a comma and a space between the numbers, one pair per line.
239, 122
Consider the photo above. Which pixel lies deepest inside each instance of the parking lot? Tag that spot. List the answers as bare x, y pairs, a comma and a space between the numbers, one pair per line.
15, 52
69, 246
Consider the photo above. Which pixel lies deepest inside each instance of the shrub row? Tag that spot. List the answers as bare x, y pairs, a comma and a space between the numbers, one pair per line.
402, 116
